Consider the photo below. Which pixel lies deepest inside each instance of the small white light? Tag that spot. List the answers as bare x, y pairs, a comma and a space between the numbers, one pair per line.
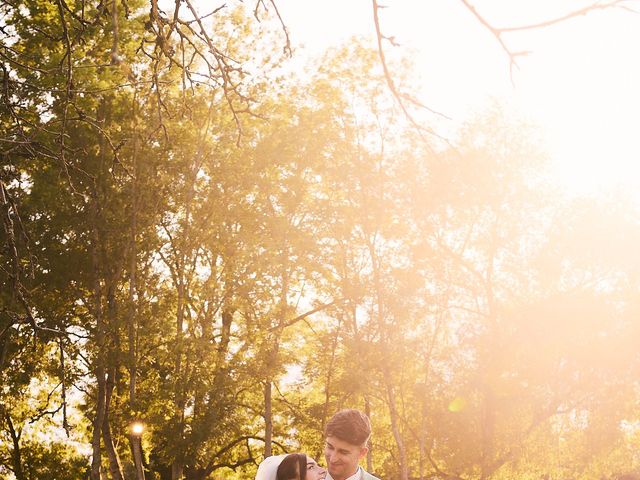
137, 428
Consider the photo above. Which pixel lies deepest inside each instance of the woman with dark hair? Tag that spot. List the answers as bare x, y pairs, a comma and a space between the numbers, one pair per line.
294, 466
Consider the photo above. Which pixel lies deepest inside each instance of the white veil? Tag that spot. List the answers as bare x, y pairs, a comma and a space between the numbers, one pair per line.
268, 468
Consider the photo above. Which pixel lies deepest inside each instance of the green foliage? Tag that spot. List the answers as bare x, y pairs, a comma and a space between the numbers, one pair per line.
53, 460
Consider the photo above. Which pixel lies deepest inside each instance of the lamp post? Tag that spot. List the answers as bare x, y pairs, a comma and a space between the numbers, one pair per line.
135, 439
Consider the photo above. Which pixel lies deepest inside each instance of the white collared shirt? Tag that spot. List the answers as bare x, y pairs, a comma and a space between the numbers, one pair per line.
355, 476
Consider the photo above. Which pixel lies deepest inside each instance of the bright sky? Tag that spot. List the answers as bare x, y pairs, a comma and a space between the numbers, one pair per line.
580, 83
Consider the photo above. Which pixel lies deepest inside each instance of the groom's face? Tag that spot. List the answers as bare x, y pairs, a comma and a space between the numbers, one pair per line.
342, 457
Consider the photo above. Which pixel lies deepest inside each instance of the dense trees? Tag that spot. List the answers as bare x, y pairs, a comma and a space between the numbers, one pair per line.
231, 295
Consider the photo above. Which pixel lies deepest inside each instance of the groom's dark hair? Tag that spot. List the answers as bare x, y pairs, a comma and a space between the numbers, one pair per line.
349, 425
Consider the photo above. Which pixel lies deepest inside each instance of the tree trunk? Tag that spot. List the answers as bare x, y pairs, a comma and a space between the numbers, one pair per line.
176, 470
272, 358
135, 442
488, 423
103, 116
131, 318
16, 455
329, 378
177, 464
5, 343
97, 425
393, 415
367, 411
100, 346
268, 419
115, 468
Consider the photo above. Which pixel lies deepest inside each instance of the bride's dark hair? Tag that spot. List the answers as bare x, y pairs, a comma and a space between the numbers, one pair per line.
293, 467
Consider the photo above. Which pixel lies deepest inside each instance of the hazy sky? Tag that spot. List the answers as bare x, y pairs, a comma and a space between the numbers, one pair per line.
580, 83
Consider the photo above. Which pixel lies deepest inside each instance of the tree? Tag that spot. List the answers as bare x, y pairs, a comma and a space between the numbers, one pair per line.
231, 297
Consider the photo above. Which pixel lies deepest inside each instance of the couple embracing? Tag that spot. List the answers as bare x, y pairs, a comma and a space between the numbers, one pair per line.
346, 436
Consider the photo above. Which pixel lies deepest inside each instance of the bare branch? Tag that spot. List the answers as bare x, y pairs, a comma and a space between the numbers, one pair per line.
295, 320
400, 97
513, 56
287, 46
576, 13
496, 33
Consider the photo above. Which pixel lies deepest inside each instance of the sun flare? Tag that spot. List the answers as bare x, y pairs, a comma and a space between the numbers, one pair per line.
577, 82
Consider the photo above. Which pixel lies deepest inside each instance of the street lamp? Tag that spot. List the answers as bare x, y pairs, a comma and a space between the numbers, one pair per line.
136, 430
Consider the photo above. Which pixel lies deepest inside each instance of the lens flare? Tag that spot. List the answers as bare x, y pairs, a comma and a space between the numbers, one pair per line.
457, 404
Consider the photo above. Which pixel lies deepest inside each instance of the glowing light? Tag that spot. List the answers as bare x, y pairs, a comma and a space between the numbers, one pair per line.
457, 404
137, 428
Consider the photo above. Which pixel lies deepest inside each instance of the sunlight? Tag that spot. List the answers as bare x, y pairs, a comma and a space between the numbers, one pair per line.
581, 88
578, 82
216, 240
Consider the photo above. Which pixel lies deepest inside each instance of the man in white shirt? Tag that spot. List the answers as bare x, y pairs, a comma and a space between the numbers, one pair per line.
346, 438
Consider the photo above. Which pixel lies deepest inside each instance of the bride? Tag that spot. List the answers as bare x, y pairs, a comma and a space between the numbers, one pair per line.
294, 466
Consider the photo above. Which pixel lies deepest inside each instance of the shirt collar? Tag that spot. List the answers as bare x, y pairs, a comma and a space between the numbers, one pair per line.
355, 476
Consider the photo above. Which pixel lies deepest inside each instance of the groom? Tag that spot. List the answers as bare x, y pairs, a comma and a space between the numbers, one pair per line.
346, 437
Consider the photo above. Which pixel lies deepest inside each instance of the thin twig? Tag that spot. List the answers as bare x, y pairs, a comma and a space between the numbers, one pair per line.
389, 79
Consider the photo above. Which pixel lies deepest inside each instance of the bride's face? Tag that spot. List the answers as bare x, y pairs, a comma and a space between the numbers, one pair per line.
314, 471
